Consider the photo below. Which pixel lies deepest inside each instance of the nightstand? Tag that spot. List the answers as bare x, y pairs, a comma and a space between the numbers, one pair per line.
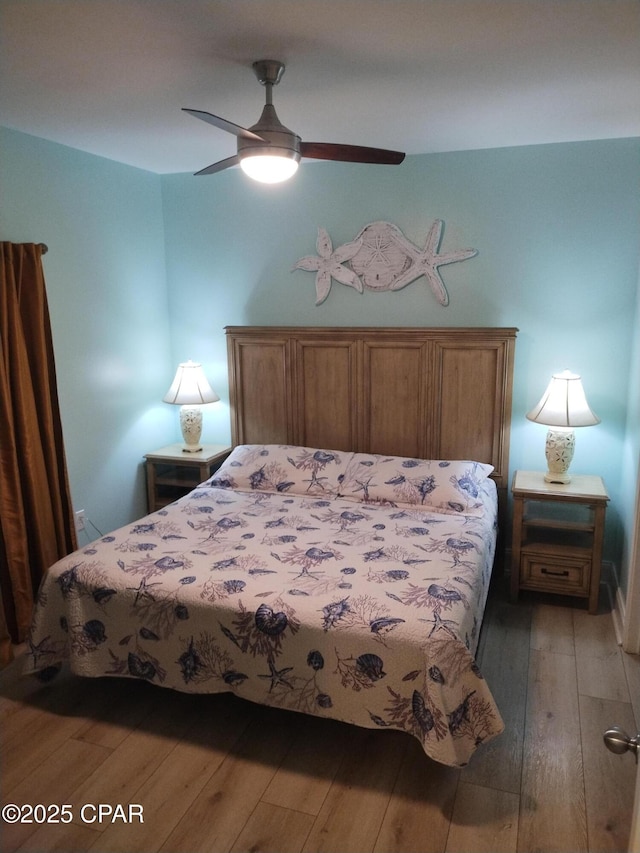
172, 473
558, 530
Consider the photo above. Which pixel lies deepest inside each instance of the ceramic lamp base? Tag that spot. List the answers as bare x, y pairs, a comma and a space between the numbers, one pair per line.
191, 426
559, 449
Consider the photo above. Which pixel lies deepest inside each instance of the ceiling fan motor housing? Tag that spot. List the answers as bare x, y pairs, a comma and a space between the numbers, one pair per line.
280, 141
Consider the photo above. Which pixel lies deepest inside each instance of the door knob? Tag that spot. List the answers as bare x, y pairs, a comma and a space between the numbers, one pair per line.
618, 741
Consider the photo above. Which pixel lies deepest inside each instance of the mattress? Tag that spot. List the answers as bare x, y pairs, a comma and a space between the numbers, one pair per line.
339, 584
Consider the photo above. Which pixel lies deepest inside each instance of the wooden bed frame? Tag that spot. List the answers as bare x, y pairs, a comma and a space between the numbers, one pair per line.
432, 393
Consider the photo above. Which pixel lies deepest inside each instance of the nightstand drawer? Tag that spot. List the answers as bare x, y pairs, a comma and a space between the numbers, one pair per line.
552, 572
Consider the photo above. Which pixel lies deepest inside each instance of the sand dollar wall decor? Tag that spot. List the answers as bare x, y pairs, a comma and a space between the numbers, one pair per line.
381, 258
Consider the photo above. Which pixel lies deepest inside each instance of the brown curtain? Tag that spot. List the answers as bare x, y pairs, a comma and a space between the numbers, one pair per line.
36, 515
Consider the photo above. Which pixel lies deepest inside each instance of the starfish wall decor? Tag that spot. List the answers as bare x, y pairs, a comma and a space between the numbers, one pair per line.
381, 258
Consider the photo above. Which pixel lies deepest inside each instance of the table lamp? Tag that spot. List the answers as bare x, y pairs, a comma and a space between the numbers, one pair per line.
562, 407
189, 390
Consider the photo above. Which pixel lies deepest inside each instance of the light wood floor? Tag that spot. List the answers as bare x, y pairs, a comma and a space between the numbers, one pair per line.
213, 773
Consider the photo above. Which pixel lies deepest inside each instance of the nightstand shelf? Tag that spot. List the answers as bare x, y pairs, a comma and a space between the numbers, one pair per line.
558, 531
173, 473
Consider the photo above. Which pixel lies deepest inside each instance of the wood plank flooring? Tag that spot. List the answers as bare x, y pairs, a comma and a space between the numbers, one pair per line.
213, 773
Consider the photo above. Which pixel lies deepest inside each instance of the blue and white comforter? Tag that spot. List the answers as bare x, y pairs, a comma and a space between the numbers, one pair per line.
345, 585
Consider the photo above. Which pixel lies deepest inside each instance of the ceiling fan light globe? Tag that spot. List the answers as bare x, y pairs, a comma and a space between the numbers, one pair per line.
270, 168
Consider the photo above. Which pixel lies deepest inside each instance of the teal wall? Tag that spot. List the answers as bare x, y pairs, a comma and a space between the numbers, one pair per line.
145, 271
107, 297
630, 474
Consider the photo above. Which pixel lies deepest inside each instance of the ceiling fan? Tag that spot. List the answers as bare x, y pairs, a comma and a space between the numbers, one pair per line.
270, 152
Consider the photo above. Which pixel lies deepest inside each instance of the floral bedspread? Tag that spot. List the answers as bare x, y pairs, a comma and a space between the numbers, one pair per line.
344, 585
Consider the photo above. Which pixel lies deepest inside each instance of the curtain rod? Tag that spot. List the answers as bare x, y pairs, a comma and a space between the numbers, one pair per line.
43, 248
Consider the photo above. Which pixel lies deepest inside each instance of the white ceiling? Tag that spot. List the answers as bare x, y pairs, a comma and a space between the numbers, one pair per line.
110, 76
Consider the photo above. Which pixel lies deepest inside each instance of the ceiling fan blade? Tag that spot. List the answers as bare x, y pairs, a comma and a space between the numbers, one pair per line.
223, 124
351, 153
219, 166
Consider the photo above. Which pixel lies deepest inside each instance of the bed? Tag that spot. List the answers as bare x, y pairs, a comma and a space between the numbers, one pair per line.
341, 581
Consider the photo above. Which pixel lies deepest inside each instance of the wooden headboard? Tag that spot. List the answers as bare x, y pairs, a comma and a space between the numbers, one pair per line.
428, 393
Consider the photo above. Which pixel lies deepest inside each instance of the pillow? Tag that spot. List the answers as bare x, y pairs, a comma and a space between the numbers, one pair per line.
281, 468
441, 485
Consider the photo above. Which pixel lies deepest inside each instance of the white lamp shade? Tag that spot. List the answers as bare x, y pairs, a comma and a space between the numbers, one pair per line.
269, 168
564, 403
190, 386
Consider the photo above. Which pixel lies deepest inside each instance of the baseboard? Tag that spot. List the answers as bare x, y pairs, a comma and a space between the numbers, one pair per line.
618, 614
614, 597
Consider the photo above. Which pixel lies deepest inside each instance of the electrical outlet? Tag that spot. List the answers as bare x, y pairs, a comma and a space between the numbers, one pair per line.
80, 520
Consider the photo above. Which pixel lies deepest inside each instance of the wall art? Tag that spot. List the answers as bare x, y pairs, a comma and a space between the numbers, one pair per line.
381, 258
